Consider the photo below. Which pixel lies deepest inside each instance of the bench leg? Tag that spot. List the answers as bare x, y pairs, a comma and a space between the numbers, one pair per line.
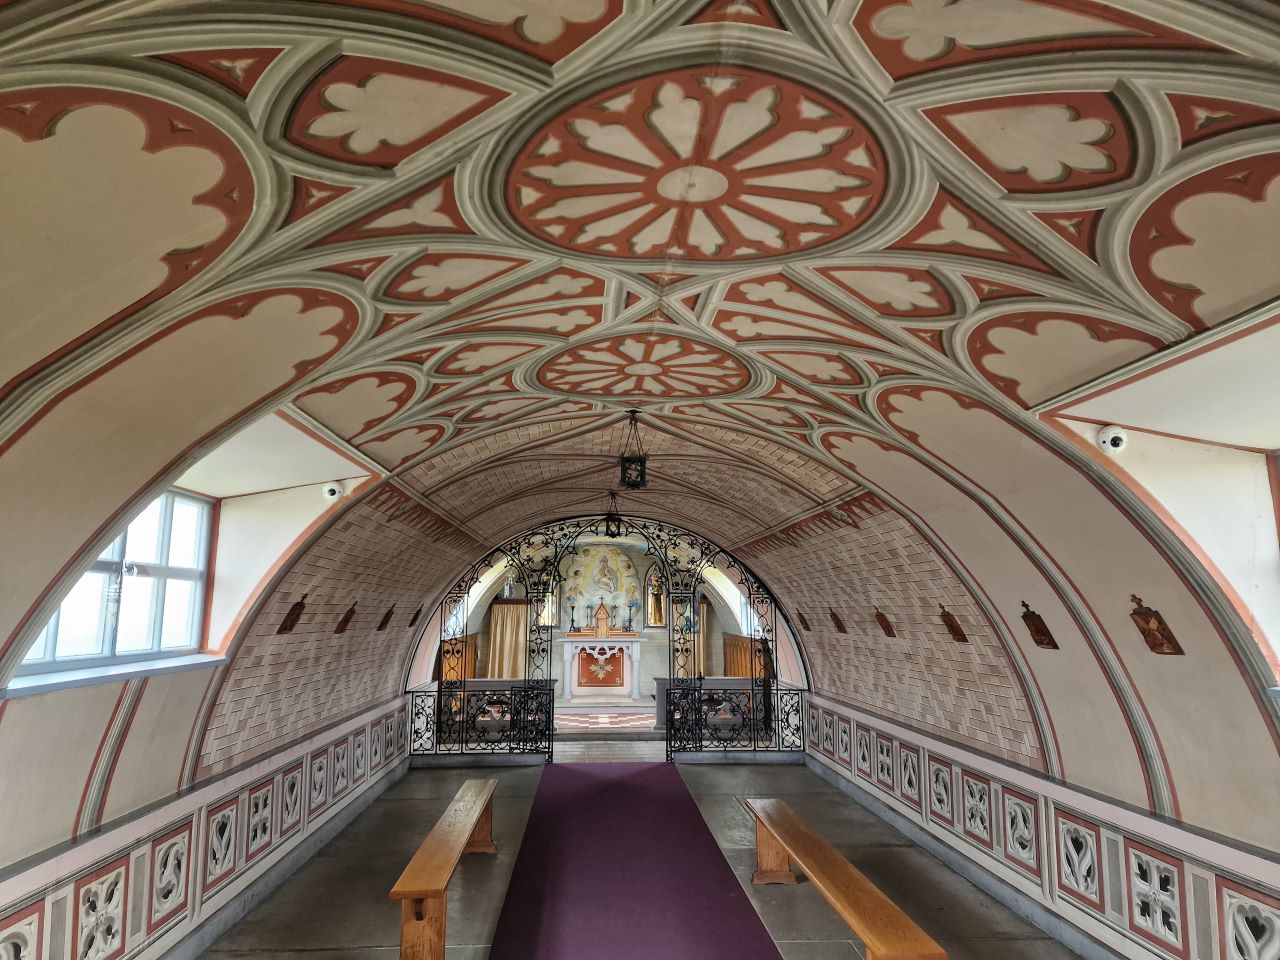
481, 839
422, 928
772, 863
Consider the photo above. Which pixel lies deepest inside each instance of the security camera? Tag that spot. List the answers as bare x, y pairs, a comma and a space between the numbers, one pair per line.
1113, 440
333, 491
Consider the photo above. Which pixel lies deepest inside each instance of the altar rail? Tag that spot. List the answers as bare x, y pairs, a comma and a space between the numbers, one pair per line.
490, 717
730, 718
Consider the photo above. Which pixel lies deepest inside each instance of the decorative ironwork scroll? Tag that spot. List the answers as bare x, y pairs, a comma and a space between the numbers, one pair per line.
484, 720
703, 717
536, 557
683, 557
461, 716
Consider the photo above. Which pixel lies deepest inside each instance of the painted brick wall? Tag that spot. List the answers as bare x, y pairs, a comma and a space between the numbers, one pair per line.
873, 558
387, 549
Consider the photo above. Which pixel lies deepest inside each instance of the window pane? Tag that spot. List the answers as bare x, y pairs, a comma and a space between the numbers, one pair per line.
179, 606
184, 538
142, 543
40, 649
136, 597
80, 618
112, 551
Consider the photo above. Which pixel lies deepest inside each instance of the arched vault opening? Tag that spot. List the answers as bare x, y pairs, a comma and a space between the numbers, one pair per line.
567, 613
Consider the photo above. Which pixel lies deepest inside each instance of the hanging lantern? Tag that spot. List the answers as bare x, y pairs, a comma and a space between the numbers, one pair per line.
612, 521
632, 461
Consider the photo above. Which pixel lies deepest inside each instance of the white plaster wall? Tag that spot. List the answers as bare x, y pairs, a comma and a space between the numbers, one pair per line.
47, 748
253, 532
1222, 497
150, 760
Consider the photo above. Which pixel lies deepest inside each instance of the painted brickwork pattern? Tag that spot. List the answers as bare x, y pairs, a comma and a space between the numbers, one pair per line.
387, 550
797, 466
472, 494
871, 558
445, 464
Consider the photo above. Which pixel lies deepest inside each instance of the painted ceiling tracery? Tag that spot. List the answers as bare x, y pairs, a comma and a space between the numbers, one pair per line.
835, 252
747, 219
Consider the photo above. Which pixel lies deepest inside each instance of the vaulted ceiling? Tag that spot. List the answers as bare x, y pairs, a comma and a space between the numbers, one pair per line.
757, 221
840, 254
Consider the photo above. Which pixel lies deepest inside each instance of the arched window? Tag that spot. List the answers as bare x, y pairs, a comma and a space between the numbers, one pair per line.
143, 597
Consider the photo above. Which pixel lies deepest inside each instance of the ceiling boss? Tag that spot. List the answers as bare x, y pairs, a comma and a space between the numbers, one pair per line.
708, 163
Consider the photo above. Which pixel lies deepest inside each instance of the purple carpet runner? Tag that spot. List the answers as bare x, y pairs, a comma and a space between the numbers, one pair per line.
618, 864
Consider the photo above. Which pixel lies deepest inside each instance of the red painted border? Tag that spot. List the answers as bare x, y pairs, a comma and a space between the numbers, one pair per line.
1095, 905
1180, 869
34, 910
962, 811
33, 113
869, 773
844, 723
827, 716
509, 35
918, 800
358, 71
287, 829
1253, 894
951, 779
154, 923
211, 884
273, 825
876, 739
1005, 792
314, 808
74, 919
334, 792
97, 756
361, 735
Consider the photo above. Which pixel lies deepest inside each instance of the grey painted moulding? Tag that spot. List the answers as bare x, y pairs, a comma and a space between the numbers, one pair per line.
36, 683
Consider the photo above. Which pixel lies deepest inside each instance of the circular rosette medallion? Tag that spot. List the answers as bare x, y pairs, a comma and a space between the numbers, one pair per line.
710, 163
652, 366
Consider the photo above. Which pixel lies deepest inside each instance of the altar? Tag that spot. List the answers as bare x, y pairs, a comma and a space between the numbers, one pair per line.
601, 661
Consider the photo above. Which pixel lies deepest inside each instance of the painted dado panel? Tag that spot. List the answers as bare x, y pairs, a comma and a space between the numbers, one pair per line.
136, 890
1144, 887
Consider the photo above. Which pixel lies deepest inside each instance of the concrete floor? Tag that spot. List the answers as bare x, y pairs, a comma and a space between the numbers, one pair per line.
336, 906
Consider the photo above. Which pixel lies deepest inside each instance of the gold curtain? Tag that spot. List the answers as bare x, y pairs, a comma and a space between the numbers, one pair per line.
704, 637
508, 635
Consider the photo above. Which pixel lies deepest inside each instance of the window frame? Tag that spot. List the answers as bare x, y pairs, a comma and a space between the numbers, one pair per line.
113, 562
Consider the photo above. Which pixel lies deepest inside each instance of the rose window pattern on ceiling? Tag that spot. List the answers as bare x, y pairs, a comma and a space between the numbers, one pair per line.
709, 163
645, 366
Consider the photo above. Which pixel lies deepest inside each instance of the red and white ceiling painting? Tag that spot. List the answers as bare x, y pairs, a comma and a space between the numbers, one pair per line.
747, 219
714, 162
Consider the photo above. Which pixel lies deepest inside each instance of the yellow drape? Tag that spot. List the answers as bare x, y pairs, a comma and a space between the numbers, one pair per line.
704, 638
508, 635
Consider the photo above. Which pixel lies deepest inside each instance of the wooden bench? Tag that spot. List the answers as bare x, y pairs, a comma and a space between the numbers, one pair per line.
783, 840
465, 827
